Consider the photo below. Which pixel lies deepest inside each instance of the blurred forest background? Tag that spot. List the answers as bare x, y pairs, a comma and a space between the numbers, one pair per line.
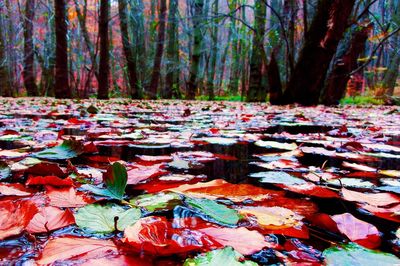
282, 51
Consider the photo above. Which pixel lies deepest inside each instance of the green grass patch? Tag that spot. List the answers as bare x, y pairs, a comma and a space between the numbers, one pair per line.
361, 100
231, 98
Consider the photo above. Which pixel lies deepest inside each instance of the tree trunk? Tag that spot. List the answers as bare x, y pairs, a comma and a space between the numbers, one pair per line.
62, 89
325, 32
196, 50
104, 70
391, 74
172, 78
29, 56
257, 88
213, 55
274, 80
155, 77
89, 45
127, 47
335, 88
5, 88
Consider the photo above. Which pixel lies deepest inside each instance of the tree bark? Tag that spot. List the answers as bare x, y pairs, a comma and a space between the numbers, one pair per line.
28, 73
274, 80
336, 82
129, 54
62, 89
5, 88
171, 88
155, 77
213, 55
196, 50
104, 66
257, 91
325, 32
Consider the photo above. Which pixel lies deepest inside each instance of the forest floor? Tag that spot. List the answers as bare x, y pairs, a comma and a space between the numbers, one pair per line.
164, 182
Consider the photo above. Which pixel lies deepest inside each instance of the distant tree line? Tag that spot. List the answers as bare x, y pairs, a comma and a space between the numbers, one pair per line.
283, 51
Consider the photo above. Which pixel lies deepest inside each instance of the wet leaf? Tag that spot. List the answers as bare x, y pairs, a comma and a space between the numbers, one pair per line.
106, 219
156, 202
5, 170
67, 197
64, 248
15, 216
50, 218
272, 177
353, 254
67, 150
358, 231
226, 256
241, 239
215, 211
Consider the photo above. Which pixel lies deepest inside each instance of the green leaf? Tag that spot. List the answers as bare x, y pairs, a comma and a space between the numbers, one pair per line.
67, 150
354, 255
115, 180
218, 212
101, 219
5, 170
226, 256
156, 202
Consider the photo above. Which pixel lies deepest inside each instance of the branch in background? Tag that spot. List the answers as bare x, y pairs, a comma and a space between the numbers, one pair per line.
374, 51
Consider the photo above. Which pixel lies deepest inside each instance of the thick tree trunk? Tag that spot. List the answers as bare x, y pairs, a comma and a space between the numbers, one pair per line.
62, 89
336, 82
325, 32
171, 88
257, 91
196, 50
155, 77
29, 56
274, 80
127, 47
392, 73
104, 66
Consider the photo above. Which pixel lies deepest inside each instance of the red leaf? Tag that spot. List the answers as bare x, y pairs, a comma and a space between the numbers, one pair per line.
15, 216
49, 180
81, 249
358, 231
311, 189
67, 197
324, 221
141, 173
50, 218
153, 235
243, 240
45, 169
